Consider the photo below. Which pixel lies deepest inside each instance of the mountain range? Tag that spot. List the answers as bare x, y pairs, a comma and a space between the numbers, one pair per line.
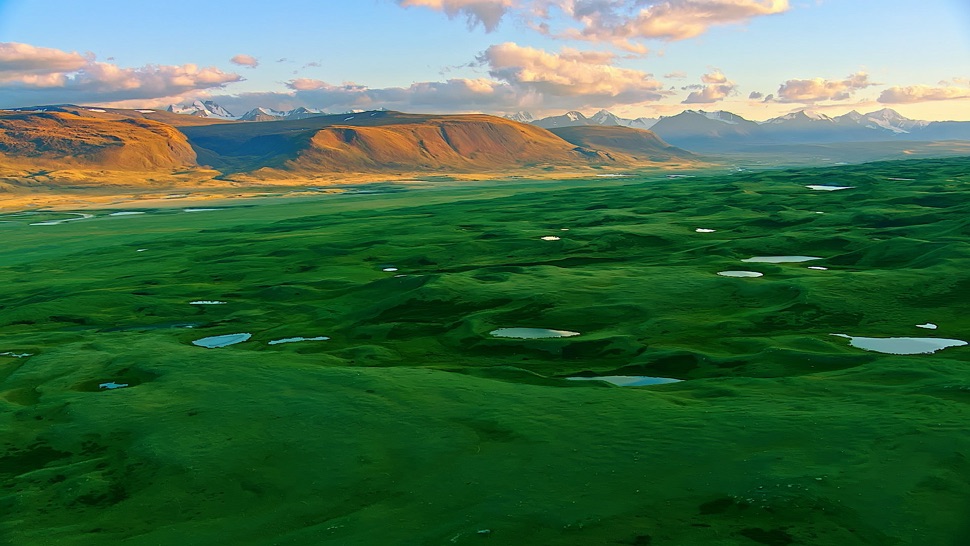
720, 130
697, 130
46, 142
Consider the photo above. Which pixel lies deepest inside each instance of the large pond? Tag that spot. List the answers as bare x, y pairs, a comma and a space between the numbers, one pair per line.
628, 380
214, 342
531, 333
902, 345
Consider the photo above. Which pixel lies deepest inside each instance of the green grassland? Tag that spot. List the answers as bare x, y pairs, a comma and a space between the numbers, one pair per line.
412, 425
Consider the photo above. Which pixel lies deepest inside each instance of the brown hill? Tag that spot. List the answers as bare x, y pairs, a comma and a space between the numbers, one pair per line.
60, 146
58, 140
624, 144
101, 112
381, 142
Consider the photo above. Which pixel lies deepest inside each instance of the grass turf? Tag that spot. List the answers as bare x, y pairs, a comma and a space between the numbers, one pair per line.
413, 426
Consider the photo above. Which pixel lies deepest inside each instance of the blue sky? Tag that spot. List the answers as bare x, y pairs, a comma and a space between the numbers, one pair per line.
757, 58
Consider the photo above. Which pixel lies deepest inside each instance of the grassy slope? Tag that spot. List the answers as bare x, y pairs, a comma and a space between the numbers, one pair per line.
783, 435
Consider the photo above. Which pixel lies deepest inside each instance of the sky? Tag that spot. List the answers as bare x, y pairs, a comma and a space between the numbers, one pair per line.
756, 58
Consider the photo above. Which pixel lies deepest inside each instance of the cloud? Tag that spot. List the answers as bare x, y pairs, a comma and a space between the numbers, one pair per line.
577, 75
20, 60
818, 89
676, 75
717, 88
756, 95
714, 77
30, 76
453, 95
621, 23
245, 60
922, 93
520, 78
488, 13
624, 22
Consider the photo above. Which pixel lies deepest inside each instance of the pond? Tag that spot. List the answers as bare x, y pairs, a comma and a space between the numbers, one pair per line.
628, 380
902, 345
214, 342
818, 187
740, 274
532, 333
298, 339
779, 259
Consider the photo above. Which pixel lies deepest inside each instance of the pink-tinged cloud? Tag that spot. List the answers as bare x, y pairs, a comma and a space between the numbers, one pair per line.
819, 89
676, 75
245, 60
21, 60
454, 95
922, 93
33, 76
714, 77
624, 22
488, 13
579, 75
717, 87
521, 78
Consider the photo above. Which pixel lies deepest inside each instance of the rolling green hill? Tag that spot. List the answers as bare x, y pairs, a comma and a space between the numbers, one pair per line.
413, 424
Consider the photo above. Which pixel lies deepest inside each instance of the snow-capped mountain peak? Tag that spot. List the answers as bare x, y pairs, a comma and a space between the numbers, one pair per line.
202, 109
521, 117
720, 115
605, 117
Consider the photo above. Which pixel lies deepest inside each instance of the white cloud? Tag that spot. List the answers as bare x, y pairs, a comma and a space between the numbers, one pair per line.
30, 76
819, 89
714, 77
454, 95
488, 13
521, 78
20, 61
624, 22
717, 87
245, 60
578, 75
922, 93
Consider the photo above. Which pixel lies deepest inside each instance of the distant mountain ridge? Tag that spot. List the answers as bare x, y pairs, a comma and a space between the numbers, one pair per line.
700, 130
40, 140
577, 119
696, 130
715, 131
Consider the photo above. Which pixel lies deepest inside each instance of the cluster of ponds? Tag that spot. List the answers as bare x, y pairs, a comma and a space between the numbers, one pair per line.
887, 345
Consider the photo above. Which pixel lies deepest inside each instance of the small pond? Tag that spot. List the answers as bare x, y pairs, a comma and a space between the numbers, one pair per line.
779, 259
298, 339
818, 187
532, 333
628, 380
740, 274
214, 342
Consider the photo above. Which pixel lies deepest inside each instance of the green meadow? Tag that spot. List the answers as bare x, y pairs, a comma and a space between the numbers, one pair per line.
413, 424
